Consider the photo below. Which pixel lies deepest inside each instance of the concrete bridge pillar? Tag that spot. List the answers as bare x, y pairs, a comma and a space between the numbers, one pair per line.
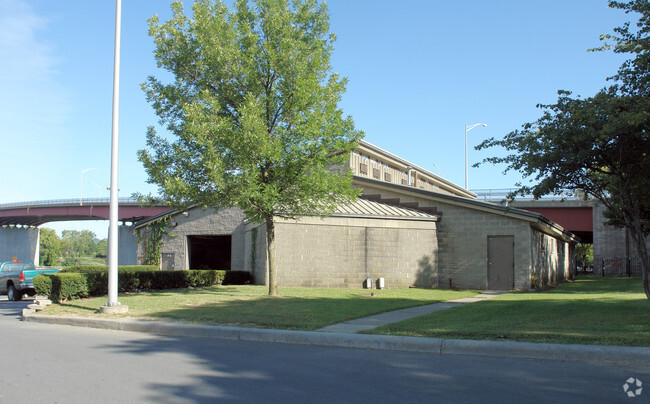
19, 242
127, 245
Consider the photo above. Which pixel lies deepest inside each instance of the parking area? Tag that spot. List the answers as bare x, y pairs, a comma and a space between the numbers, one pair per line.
13, 309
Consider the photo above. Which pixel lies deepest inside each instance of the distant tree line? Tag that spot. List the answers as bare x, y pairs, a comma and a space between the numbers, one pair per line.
72, 248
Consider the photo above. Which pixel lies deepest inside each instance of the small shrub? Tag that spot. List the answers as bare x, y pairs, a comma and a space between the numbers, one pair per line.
104, 268
84, 269
137, 268
237, 278
170, 280
97, 283
68, 286
93, 282
534, 281
42, 285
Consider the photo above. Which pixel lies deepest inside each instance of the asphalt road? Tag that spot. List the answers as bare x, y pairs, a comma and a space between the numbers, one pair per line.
44, 363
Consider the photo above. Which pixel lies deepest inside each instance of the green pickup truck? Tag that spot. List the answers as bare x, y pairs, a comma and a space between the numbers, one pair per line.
16, 278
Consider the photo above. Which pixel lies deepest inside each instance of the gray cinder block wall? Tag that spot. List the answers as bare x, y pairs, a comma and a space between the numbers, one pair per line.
552, 261
343, 252
196, 222
462, 240
609, 241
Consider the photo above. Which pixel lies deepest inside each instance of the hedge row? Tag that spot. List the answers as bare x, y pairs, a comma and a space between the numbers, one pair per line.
104, 268
65, 286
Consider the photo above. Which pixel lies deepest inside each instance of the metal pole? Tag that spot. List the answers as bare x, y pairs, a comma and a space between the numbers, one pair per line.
113, 305
467, 129
466, 160
81, 186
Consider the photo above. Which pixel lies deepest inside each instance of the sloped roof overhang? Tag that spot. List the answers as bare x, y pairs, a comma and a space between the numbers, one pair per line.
535, 220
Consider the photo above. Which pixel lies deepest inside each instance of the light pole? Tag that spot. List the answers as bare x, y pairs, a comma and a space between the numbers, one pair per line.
98, 187
467, 129
81, 186
113, 306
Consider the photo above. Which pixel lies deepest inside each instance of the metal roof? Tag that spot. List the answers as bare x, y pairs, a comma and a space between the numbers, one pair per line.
361, 208
367, 208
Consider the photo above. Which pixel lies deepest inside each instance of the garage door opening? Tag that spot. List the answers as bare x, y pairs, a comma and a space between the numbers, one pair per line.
209, 252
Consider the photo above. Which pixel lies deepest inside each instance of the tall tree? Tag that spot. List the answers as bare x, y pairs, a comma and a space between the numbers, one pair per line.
80, 243
254, 110
600, 144
633, 76
49, 247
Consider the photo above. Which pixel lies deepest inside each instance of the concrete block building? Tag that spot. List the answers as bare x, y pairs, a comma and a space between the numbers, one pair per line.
409, 228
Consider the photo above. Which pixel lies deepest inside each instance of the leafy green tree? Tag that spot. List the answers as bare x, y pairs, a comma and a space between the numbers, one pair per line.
599, 144
585, 253
102, 248
80, 243
77, 244
254, 110
49, 247
633, 76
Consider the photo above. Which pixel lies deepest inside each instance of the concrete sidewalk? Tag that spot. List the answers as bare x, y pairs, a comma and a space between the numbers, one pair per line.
378, 320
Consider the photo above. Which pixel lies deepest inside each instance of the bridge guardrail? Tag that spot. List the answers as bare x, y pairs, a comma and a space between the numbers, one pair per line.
53, 202
499, 194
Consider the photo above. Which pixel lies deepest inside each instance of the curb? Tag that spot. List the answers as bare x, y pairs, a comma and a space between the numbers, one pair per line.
506, 349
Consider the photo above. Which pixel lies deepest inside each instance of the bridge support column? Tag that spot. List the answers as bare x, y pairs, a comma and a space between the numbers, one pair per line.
128, 246
22, 243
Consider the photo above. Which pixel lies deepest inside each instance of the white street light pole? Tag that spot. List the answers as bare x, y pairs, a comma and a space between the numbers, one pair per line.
113, 306
467, 129
81, 185
98, 187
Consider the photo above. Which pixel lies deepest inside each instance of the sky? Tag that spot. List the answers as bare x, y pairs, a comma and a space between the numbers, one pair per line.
419, 71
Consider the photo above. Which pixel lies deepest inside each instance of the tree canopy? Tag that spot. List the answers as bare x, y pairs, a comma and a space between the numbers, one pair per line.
600, 144
72, 248
253, 109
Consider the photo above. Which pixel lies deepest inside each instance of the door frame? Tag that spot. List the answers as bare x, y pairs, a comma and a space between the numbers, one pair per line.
489, 261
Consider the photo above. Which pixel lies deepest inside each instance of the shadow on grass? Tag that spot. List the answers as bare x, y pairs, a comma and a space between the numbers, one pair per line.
297, 313
209, 290
80, 307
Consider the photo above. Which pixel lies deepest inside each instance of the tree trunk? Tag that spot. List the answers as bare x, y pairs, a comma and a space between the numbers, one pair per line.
270, 254
634, 225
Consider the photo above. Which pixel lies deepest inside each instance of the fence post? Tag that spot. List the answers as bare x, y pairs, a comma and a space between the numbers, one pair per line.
627, 267
603, 267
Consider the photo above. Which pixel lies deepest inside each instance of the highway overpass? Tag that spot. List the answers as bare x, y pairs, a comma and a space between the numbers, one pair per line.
19, 222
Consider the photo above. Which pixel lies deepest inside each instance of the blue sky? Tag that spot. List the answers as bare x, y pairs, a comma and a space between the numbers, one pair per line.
418, 70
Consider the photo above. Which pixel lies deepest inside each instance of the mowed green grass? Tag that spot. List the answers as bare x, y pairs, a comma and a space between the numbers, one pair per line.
590, 310
250, 306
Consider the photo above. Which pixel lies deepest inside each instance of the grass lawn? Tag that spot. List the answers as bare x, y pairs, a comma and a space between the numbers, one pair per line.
590, 310
295, 308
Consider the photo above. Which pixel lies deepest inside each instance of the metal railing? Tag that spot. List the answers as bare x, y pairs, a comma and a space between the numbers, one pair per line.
617, 267
68, 202
499, 194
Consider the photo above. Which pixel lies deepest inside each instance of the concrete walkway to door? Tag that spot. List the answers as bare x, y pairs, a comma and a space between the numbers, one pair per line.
378, 320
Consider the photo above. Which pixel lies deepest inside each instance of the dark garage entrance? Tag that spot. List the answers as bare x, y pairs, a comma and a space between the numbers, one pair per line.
209, 252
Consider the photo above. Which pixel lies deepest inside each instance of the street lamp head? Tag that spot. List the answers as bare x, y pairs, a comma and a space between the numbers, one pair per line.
470, 127
467, 129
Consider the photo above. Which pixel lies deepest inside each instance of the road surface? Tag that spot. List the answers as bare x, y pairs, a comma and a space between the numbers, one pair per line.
61, 364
